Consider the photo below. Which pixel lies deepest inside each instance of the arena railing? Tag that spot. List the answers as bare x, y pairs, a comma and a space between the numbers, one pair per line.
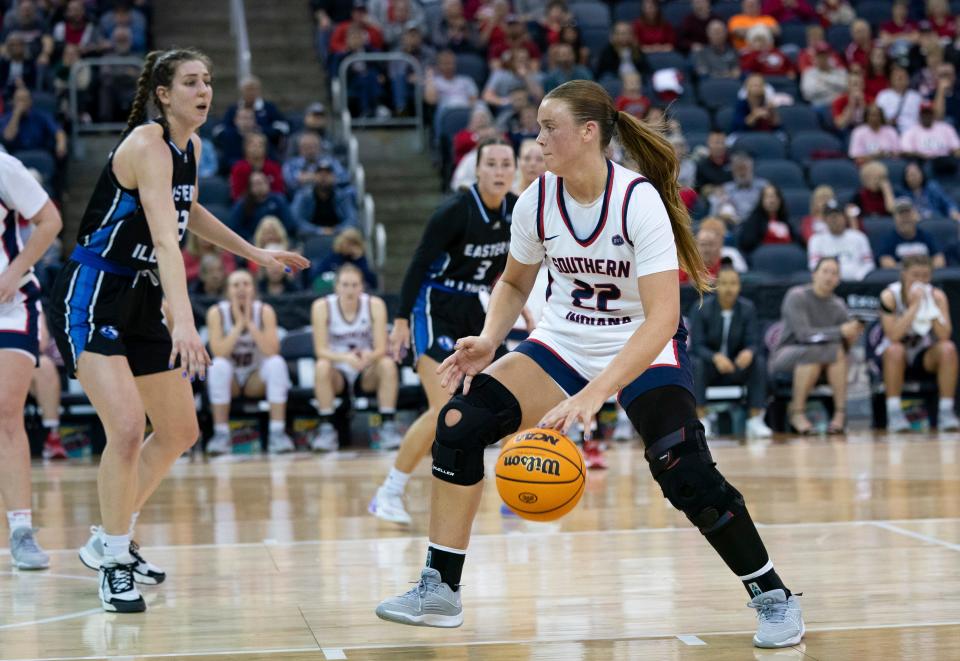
77, 127
238, 28
340, 92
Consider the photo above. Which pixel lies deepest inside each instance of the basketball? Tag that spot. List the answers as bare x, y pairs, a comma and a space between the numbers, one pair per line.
540, 474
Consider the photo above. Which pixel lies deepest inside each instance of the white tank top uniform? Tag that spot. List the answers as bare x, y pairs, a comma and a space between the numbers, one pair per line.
347, 336
20, 195
246, 356
594, 255
919, 337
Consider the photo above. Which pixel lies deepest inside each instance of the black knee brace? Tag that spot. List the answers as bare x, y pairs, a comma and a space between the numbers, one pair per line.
682, 465
487, 413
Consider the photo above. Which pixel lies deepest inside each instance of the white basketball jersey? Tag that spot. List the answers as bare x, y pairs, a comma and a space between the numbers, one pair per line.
246, 356
345, 336
594, 255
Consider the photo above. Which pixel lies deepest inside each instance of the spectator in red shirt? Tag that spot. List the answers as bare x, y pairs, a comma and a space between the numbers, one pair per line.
654, 34
877, 77
849, 110
762, 57
790, 10
813, 222
631, 99
938, 13
875, 195
555, 16
480, 127
492, 19
899, 28
858, 51
768, 224
692, 35
515, 36
360, 19
255, 160
807, 57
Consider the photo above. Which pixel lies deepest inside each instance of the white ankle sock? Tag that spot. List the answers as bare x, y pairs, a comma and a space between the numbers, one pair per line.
277, 426
221, 428
893, 403
115, 545
396, 481
19, 519
133, 522
946, 403
52, 424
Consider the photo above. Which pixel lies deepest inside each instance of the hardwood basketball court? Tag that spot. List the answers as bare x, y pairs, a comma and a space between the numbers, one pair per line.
278, 559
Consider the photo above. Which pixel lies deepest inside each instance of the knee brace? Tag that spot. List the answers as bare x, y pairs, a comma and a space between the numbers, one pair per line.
487, 413
220, 381
682, 465
276, 377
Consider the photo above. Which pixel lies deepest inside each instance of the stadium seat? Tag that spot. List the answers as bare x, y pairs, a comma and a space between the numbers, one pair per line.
40, 160
725, 10
626, 10
784, 85
595, 38
874, 12
876, 229
806, 145
944, 231
761, 146
782, 260
668, 60
718, 92
696, 138
591, 15
794, 34
895, 168
798, 118
838, 36
612, 84
220, 211
674, 12
797, 199
214, 190
45, 101
882, 276
318, 247
782, 173
835, 172
691, 118
471, 64
723, 120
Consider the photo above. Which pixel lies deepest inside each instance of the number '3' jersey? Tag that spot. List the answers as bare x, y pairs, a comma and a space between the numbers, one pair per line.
594, 255
114, 225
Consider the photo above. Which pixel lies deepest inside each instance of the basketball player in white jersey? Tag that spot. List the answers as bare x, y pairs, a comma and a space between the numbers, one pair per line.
613, 240
350, 343
246, 361
20, 195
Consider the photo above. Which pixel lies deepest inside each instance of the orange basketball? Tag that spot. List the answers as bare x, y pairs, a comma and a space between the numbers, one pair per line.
540, 474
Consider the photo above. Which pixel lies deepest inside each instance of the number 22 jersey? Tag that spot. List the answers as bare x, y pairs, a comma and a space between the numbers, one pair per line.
594, 254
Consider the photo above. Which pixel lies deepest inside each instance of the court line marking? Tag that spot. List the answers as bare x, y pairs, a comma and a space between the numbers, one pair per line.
46, 574
916, 535
47, 620
688, 639
514, 535
334, 653
465, 644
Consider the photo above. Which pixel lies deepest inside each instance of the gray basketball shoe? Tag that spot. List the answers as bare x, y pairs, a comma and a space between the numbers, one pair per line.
780, 622
431, 603
25, 553
219, 444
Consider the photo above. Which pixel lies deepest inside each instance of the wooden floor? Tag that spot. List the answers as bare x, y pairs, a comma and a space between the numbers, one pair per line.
278, 559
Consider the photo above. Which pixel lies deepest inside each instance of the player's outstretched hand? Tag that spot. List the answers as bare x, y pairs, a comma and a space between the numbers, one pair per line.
470, 356
582, 408
399, 342
187, 344
288, 260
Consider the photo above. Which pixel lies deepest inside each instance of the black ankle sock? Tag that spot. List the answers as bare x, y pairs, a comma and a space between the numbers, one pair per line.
450, 565
740, 546
326, 417
387, 417
764, 583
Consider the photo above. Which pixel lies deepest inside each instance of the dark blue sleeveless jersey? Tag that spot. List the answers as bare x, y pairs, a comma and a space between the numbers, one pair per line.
114, 225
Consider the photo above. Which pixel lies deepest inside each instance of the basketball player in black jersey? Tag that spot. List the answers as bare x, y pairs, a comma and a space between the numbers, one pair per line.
106, 308
461, 254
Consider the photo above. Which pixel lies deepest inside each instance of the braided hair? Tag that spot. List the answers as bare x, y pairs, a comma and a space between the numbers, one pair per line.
159, 68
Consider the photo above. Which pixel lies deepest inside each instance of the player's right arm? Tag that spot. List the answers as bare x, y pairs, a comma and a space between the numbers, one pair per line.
143, 162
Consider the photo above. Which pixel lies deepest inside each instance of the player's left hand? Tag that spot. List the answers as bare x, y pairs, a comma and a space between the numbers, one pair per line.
284, 258
582, 408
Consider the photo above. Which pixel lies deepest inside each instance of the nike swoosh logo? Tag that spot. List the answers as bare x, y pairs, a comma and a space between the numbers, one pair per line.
547, 238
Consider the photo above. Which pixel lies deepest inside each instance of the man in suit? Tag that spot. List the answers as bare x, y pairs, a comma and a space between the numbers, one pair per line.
725, 346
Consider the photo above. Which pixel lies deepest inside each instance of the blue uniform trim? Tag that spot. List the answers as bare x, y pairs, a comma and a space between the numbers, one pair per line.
10, 237
569, 379
422, 324
78, 304
126, 206
89, 258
